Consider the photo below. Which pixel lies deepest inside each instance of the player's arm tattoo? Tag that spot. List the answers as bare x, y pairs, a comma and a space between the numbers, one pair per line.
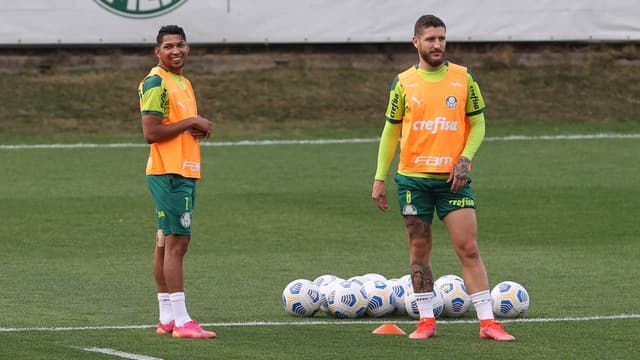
462, 168
421, 277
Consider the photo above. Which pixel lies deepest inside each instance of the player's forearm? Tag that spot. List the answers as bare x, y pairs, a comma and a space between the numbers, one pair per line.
476, 136
155, 131
387, 149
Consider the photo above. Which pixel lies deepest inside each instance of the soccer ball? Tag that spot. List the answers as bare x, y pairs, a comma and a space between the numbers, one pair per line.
381, 298
347, 300
412, 307
510, 300
406, 280
324, 283
373, 276
399, 292
444, 278
324, 279
301, 298
454, 296
358, 279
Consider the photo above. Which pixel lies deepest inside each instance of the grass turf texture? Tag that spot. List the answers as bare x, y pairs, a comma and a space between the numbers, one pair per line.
556, 216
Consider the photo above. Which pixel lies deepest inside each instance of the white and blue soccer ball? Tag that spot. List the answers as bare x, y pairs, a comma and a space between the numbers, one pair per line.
325, 283
381, 298
358, 279
454, 296
399, 291
374, 276
412, 307
324, 279
510, 300
301, 298
445, 278
347, 300
407, 282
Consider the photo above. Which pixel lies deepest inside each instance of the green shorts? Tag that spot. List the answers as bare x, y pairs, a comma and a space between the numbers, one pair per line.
420, 196
174, 197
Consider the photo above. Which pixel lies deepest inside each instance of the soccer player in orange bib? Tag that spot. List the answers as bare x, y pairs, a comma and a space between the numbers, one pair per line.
172, 126
437, 108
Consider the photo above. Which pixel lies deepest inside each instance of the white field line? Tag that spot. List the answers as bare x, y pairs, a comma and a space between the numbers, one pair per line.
118, 353
315, 142
323, 322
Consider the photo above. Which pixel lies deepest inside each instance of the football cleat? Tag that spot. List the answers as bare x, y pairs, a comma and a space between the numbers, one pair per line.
192, 330
491, 329
426, 328
165, 328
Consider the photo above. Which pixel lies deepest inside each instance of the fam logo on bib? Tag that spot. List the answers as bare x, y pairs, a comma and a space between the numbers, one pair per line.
140, 9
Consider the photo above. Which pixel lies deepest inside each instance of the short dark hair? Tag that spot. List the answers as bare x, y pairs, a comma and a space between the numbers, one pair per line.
170, 30
426, 21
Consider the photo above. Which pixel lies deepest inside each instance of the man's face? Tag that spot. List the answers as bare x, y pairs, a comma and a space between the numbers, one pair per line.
172, 53
431, 43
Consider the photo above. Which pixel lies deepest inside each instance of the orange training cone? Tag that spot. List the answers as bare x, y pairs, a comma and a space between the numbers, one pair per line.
388, 329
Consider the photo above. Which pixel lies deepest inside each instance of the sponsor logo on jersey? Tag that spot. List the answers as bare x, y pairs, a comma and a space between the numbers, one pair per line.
475, 99
394, 106
192, 165
434, 160
464, 202
433, 126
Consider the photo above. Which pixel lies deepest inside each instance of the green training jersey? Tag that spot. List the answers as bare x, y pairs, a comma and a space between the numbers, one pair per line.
153, 93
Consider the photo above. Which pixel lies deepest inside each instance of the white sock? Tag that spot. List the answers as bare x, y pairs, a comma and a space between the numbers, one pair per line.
179, 307
424, 301
483, 304
166, 312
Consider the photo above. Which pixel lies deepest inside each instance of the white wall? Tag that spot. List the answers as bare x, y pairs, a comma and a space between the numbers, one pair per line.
318, 21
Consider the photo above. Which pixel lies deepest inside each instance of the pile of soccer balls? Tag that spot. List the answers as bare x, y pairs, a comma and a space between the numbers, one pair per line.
376, 296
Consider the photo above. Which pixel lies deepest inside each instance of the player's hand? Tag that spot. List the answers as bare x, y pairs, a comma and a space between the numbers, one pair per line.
201, 128
379, 195
198, 134
460, 174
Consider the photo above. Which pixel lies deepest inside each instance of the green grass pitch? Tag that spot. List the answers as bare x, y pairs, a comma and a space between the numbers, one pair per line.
558, 216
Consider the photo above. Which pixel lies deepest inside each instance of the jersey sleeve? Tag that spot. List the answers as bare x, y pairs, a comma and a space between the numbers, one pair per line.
392, 128
153, 96
387, 149
475, 114
476, 136
396, 106
475, 102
